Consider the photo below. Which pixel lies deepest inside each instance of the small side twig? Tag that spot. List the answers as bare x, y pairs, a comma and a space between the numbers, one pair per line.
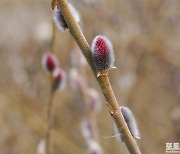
51, 101
53, 41
49, 123
103, 80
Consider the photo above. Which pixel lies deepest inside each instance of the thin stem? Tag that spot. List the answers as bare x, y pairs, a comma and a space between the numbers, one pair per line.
117, 116
50, 114
103, 80
53, 41
92, 117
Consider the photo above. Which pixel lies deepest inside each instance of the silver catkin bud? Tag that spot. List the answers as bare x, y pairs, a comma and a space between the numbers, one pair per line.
102, 53
131, 123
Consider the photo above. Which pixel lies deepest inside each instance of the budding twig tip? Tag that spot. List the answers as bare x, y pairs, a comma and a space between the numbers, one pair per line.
110, 108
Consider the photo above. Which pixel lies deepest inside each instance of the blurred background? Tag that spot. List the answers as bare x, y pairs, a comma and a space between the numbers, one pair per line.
145, 36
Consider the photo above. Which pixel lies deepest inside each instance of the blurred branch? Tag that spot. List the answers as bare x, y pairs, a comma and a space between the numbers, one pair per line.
50, 103
38, 124
83, 89
53, 41
103, 80
50, 122
161, 53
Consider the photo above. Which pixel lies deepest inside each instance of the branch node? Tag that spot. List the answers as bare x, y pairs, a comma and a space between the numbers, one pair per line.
101, 73
53, 4
111, 110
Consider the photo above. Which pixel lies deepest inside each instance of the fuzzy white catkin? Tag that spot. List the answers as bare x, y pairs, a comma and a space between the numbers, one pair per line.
86, 129
77, 58
102, 53
45, 62
131, 123
94, 148
41, 147
76, 80
118, 134
94, 102
59, 18
61, 85
42, 32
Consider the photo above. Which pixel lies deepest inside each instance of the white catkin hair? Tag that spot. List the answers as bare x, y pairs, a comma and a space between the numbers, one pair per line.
41, 147
86, 129
59, 18
76, 80
118, 134
94, 147
94, 102
131, 123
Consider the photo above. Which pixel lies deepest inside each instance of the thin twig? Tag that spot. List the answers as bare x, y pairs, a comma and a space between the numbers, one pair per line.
39, 125
50, 123
50, 113
53, 41
103, 80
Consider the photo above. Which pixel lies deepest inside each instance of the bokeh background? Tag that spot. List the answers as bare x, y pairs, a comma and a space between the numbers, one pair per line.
145, 36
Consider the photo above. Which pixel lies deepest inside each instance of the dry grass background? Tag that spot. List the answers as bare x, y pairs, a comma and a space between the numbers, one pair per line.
145, 35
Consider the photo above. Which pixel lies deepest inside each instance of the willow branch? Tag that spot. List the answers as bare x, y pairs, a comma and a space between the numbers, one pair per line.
51, 101
50, 123
53, 41
103, 80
